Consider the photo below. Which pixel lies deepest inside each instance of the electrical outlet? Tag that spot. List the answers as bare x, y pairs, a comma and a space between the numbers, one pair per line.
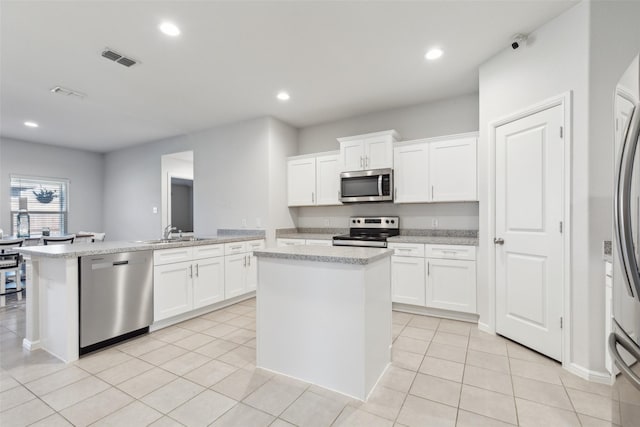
434, 223
154, 209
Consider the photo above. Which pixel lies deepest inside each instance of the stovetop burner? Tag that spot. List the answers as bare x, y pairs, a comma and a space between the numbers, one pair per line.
369, 232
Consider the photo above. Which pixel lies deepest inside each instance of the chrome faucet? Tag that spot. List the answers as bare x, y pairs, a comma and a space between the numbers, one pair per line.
167, 231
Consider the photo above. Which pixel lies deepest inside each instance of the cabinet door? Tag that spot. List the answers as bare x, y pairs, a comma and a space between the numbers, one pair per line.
289, 242
451, 284
378, 152
411, 173
234, 275
172, 290
352, 155
452, 170
208, 281
407, 280
301, 182
251, 273
328, 180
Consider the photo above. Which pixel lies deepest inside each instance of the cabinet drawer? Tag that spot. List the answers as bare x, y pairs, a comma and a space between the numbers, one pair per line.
254, 245
290, 242
168, 256
234, 248
450, 252
407, 249
319, 242
208, 251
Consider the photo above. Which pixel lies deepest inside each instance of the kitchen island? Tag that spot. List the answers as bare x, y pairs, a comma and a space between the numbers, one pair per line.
324, 315
53, 282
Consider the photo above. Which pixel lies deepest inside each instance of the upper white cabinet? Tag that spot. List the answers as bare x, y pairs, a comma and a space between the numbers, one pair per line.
369, 151
436, 170
452, 170
313, 180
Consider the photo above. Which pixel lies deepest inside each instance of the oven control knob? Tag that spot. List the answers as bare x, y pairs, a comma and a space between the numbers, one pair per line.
387, 221
358, 221
353, 221
393, 221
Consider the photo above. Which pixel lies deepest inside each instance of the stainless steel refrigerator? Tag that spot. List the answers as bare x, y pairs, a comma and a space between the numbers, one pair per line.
624, 337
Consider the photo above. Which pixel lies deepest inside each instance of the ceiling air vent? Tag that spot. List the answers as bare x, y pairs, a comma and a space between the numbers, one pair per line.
116, 57
67, 92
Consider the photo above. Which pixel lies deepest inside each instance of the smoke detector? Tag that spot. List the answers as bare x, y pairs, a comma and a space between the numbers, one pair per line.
118, 57
67, 92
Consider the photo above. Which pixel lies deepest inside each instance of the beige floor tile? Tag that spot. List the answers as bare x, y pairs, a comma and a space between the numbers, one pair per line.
451, 339
30, 371
240, 356
447, 352
417, 333
124, 371
488, 380
15, 397
488, 361
194, 341
383, 402
280, 423
96, 407
210, 373
54, 420
338, 397
591, 404
163, 354
146, 382
625, 413
436, 389
241, 383
165, 422
400, 318
220, 330
411, 345
240, 321
312, 410
587, 421
573, 381
220, 316
239, 309
185, 363
172, 334
7, 382
144, 345
625, 391
488, 403
424, 322
243, 416
517, 351
352, 417
216, 348
274, 396
203, 409
398, 379
405, 359
536, 415
395, 330
489, 345
25, 414
198, 324
56, 380
541, 392
240, 336
251, 343
418, 412
132, 415
455, 327
469, 419
535, 371
168, 397
74, 393
442, 368
98, 362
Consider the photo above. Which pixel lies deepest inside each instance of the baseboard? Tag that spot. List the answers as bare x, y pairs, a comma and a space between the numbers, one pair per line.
426, 311
601, 377
486, 328
30, 345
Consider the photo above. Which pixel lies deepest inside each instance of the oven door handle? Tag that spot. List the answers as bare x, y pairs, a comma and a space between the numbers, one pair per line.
614, 340
380, 185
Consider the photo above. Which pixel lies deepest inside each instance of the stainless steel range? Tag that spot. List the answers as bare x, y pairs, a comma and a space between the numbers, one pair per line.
369, 231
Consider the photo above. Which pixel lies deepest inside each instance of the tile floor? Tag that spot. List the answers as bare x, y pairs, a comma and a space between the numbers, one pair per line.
202, 372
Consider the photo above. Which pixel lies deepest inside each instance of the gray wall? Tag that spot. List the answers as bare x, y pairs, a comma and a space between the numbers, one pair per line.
449, 116
83, 169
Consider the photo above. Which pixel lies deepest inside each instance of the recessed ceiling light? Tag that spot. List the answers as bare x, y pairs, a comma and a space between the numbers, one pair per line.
31, 124
170, 29
283, 96
434, 53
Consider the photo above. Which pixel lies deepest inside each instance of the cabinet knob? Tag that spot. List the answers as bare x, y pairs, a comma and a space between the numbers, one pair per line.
498, 241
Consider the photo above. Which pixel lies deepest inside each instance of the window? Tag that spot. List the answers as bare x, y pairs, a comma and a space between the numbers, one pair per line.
46, 202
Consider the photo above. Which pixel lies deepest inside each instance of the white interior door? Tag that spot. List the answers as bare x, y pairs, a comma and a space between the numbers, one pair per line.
529, 199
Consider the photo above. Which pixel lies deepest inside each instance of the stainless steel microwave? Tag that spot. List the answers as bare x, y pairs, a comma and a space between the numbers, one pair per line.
374, 185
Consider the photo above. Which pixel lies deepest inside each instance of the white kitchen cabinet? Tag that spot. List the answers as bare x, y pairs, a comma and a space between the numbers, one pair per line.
369, 151
240, 269
301, 182
318, 242
328, 180
408, 280
300, 242
410, 174
451, 284
208, 281
452, 170
251, 280
172, 290
289, 242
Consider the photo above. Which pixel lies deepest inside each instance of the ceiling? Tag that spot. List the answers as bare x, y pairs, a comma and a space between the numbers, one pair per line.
336, 59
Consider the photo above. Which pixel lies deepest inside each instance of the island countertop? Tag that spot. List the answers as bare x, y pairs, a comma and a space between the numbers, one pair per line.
330, 254
101, 248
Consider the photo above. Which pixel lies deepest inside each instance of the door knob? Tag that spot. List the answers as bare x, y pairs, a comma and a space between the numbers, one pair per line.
498, 241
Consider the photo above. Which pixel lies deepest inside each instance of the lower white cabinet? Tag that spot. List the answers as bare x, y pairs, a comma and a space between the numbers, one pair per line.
208, 281
407, 280
172, 290
318, 242
241, 269
290, 242
451, 284
301, 242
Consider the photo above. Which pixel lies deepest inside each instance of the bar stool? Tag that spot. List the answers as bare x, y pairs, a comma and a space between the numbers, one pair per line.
10, 262
48, 240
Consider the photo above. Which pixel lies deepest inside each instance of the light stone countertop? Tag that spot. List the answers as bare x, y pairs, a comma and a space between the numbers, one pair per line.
309, 236
328, 254
435, 240
101, 248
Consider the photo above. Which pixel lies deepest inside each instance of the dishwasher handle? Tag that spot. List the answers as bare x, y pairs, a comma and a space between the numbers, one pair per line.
125, 262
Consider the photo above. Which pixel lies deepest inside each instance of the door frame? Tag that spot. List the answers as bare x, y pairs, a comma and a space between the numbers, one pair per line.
564, 100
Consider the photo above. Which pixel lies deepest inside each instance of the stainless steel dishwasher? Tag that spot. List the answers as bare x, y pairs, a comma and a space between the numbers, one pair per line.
116, 297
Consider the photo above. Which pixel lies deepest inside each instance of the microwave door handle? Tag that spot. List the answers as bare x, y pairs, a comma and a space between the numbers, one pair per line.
380, 185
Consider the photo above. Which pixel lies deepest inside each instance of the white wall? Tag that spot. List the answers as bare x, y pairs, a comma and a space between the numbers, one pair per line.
449, 116
83, 169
